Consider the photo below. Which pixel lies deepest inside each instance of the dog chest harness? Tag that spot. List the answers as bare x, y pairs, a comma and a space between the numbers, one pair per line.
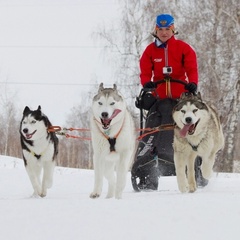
112, 141
195, 147
37, 156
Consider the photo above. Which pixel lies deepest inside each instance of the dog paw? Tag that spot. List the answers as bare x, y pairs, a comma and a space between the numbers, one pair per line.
206, 173
109, 196
192, 188
118, 196
94, 195
35, 195
183, 188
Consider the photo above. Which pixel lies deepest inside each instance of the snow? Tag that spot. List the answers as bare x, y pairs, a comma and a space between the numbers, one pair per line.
67, 212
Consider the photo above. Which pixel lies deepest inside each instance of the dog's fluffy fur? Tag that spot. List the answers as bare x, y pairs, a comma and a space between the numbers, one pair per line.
39, 148
198, 132
113, 141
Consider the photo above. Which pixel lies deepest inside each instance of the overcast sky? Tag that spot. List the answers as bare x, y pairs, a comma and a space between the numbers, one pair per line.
47, 53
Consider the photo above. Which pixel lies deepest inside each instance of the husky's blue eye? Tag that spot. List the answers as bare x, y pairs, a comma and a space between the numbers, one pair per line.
112, 103
183, 111
33, 121
99, 103
195, 110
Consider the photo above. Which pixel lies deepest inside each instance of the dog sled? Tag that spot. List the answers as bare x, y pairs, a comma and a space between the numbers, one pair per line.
154, 154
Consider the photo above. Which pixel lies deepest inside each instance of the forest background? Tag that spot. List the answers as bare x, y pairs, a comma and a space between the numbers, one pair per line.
212, 28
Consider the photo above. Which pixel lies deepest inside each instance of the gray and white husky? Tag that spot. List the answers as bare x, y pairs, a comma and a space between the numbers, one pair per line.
198, 132
113, 141
39, 148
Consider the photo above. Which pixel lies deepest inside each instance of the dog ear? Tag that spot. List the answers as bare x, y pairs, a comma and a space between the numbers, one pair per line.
38, 113
26, 110
114, 87
101, 88
199, 96
183, 96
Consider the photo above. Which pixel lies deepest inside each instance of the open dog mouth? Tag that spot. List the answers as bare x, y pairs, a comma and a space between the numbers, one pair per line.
29, 135
107, 121
188, 129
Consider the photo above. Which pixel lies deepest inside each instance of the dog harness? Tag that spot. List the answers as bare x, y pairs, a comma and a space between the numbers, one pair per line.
195, 147
37, 156
112, 141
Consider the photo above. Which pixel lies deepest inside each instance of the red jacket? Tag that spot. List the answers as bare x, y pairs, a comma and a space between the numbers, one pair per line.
181, 57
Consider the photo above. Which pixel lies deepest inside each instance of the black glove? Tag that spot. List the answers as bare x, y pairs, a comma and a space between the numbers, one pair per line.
191, 87
149, 85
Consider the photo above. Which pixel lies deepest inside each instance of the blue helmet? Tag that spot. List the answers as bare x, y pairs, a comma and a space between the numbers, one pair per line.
164, 20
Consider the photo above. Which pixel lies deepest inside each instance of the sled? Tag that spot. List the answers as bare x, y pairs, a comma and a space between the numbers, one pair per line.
154, 154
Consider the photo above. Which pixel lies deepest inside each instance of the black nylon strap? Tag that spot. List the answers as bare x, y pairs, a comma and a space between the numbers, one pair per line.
112, 142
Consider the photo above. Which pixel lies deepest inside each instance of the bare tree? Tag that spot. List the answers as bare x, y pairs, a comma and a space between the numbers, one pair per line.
212, 28
9, 126
76, 152
217, 42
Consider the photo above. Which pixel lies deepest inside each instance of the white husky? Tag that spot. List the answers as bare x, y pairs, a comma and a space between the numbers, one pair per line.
198, 132
113, 141
39, 149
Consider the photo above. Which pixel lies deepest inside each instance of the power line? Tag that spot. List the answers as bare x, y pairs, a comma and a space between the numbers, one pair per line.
44, 83
64, 84
51, 46
52, 4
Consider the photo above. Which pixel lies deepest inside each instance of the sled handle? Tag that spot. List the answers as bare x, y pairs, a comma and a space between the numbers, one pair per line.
167, 79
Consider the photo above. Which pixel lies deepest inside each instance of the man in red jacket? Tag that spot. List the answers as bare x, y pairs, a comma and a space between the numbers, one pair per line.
168, 56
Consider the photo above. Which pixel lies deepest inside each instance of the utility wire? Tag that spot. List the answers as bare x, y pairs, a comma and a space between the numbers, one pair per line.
50, 46
63, 84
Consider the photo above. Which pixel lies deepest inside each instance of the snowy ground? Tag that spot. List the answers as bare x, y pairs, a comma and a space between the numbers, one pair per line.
67, 213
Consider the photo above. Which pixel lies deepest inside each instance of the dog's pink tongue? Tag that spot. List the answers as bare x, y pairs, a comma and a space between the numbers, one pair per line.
115, 113
184, 130
28, 136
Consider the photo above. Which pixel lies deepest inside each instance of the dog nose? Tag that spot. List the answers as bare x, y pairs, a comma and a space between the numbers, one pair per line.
104, 114
25, 130
188, 119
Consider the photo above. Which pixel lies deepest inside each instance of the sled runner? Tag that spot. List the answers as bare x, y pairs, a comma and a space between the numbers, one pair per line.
154, 155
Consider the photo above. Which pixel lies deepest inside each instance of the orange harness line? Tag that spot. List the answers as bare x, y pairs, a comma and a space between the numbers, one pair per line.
62, 131
107, 137
112, 141
165, 127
